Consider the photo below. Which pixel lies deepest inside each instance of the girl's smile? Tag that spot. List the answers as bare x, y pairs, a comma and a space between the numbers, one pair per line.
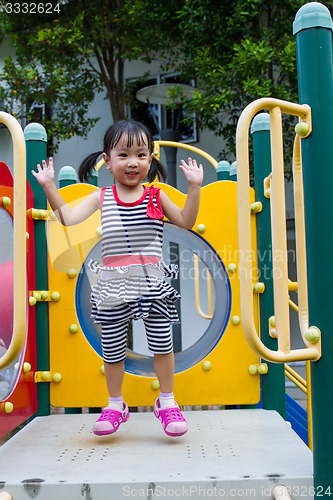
129, 163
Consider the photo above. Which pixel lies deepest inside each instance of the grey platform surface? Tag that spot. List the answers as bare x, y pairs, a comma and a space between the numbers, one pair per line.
225, 454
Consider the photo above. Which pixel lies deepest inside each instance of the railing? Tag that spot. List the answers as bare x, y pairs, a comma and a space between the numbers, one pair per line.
197, 290
20, 220
284, 354
158, 144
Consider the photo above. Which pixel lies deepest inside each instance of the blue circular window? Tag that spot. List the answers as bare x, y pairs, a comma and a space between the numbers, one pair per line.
200, 335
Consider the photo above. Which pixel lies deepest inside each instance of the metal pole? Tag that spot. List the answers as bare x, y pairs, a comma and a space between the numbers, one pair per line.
222, 170
273, 382
36, 140
171, 154
313, 29
171, 158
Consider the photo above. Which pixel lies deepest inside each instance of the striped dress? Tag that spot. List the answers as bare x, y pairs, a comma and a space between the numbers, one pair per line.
131, 279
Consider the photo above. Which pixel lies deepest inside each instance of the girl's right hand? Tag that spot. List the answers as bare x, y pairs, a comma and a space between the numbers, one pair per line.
45, 175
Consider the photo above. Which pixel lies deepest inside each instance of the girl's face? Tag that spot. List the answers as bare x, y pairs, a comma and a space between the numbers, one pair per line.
129, 164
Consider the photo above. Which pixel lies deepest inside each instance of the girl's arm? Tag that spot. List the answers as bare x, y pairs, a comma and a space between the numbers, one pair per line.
185, 217
67, 216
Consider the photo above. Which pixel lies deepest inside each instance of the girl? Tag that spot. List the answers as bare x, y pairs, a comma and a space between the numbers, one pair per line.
131, 282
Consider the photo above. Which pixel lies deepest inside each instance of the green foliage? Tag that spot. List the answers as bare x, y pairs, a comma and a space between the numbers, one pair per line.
238, 52
65, 56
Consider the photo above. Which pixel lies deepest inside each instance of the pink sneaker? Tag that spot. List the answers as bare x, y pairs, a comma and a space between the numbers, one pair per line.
110, 420
173, 422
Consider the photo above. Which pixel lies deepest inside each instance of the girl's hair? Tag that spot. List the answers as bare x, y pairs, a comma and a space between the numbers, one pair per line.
134, 131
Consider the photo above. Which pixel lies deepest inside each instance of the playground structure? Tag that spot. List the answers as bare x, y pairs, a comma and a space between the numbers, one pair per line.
220, 366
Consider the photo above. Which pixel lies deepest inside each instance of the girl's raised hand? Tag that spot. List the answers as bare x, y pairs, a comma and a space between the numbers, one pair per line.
192, 172
44, 175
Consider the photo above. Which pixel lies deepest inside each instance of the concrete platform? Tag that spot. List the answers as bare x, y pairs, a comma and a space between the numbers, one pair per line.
226, 454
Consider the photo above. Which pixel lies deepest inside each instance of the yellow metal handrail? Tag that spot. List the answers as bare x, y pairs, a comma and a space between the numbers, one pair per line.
20, 274
299, 381
296, 378
279, 241
181, 145
197, 290
303, 311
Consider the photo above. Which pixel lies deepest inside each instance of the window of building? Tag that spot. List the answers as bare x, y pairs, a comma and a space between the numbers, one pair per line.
156, 116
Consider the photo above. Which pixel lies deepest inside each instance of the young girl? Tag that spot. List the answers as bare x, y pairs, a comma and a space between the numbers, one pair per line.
131, 282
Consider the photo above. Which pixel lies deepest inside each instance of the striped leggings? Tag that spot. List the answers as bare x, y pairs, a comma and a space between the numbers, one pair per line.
114, 337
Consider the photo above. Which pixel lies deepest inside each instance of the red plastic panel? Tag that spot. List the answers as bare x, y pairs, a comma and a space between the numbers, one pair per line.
23, 395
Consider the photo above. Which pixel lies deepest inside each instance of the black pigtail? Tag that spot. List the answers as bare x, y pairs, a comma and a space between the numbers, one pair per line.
87, 166
156, 168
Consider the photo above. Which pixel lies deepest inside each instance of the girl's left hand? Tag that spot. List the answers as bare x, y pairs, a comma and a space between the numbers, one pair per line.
192, 172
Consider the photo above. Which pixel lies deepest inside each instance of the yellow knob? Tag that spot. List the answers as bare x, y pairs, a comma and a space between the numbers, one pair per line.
302, 129
26, 367
57, 378
232, 268
235, 320
313, 335
155, 385
55, 296
6, 201
71, 273
4, 495
253, 369
206, 365
9, 407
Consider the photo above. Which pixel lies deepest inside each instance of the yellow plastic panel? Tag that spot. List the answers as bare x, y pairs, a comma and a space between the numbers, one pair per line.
228, 380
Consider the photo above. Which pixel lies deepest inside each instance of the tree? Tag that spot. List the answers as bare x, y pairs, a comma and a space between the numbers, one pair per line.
241, 51
68, 52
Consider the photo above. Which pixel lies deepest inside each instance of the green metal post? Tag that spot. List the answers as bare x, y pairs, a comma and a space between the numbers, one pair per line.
273, 383
313, 29
93, 178
67, 176
233, 172
36, 140
222, 170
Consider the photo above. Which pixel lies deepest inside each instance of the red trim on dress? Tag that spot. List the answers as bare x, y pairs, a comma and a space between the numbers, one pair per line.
102, 196
127, 260
132, 204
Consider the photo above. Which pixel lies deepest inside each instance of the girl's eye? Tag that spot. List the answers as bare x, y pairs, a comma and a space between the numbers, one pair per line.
123, 155
142, 155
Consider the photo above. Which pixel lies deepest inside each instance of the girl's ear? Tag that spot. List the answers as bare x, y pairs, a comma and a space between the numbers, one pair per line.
107, 161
